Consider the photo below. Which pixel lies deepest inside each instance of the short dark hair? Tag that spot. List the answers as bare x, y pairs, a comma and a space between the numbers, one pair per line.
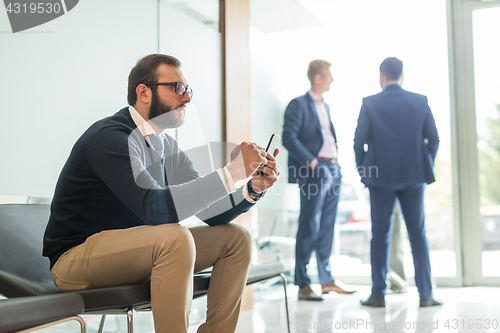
392, 68
146, 71
315, 67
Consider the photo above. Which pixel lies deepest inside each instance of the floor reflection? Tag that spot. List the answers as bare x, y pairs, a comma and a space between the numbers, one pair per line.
475, 309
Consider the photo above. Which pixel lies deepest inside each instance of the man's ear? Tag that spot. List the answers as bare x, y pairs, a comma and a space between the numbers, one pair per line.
383, 80
317, 78
143, 93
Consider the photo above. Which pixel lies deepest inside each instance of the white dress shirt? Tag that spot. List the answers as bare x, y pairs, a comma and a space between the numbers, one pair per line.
329, 148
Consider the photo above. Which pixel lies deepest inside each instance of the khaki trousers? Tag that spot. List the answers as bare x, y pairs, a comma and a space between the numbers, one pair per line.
168, 255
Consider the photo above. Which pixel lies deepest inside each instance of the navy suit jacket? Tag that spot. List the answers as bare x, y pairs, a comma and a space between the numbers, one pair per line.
402, 139
302, 135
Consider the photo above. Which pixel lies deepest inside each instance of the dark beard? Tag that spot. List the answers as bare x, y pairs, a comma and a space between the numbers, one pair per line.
157, 108
161, 114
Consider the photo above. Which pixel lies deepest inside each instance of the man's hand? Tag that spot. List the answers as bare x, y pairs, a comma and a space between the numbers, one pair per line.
313, 164
261, 183
246, 159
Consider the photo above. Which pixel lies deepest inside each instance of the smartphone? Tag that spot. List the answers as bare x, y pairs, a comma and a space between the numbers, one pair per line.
271, 147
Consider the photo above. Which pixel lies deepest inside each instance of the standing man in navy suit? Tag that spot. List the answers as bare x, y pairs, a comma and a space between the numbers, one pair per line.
402, 139
309, 136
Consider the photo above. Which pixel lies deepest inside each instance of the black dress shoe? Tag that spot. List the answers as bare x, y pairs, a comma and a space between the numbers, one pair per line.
307, 294
374, 302
429, 301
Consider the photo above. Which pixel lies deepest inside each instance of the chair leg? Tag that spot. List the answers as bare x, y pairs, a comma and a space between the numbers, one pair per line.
82, 324
286, 302
77, 318
130, 322
101, 325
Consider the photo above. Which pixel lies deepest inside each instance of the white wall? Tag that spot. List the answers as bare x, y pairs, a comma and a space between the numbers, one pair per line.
199, 49
59, 78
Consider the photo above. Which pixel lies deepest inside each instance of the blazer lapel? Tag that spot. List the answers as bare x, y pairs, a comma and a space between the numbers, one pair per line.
312, 110
331, 123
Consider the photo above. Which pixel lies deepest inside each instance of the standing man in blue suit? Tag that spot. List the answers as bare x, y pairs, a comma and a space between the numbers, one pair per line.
402, 139
309, 136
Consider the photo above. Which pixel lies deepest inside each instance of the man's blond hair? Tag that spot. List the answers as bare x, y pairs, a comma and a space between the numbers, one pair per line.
315, 67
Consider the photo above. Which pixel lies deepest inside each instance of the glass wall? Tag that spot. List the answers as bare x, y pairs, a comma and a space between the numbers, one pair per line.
189, 30
58, 78
355, 36
486, 25
79, 75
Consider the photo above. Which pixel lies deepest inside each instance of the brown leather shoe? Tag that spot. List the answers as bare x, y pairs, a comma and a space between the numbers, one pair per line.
307, 294
326, 288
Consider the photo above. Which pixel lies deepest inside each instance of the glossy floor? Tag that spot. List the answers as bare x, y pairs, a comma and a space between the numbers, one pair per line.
475, 310
465, 310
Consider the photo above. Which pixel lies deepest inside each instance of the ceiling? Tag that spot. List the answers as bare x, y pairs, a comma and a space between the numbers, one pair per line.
268, 16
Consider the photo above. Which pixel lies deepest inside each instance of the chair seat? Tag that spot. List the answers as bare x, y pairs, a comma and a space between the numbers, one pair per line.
264, 271
115, 299
120, 299
27, 312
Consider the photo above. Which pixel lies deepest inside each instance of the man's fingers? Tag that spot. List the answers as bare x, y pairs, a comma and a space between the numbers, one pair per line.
270, 178
270, 157
268, 171
273, 165
262, 183
254, 156
267, 168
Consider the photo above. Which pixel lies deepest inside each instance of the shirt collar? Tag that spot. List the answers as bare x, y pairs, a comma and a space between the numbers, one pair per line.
315, 98
141, 123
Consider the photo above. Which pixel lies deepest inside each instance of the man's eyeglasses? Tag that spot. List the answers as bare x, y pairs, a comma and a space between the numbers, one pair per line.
180, 88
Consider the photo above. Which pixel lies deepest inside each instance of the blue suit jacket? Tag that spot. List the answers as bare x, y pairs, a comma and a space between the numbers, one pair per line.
302, 135
402, 139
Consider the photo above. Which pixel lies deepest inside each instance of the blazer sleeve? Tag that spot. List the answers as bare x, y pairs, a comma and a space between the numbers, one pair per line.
361, 135
294, 118
431, 133
226, 209
221, 211
113, 158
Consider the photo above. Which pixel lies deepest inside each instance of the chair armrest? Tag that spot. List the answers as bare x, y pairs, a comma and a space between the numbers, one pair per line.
26, 312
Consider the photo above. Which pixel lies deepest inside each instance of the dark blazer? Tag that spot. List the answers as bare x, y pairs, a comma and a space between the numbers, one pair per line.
302, 135
402, 139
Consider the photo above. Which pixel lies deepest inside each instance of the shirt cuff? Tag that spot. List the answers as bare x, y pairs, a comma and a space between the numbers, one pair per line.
227, 180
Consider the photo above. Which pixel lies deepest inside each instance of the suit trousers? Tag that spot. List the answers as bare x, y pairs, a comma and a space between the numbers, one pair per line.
411, 199
168, 255
319, 197
397, 276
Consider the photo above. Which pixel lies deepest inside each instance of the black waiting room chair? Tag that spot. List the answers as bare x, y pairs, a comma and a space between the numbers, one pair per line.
24, 272
26, 314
